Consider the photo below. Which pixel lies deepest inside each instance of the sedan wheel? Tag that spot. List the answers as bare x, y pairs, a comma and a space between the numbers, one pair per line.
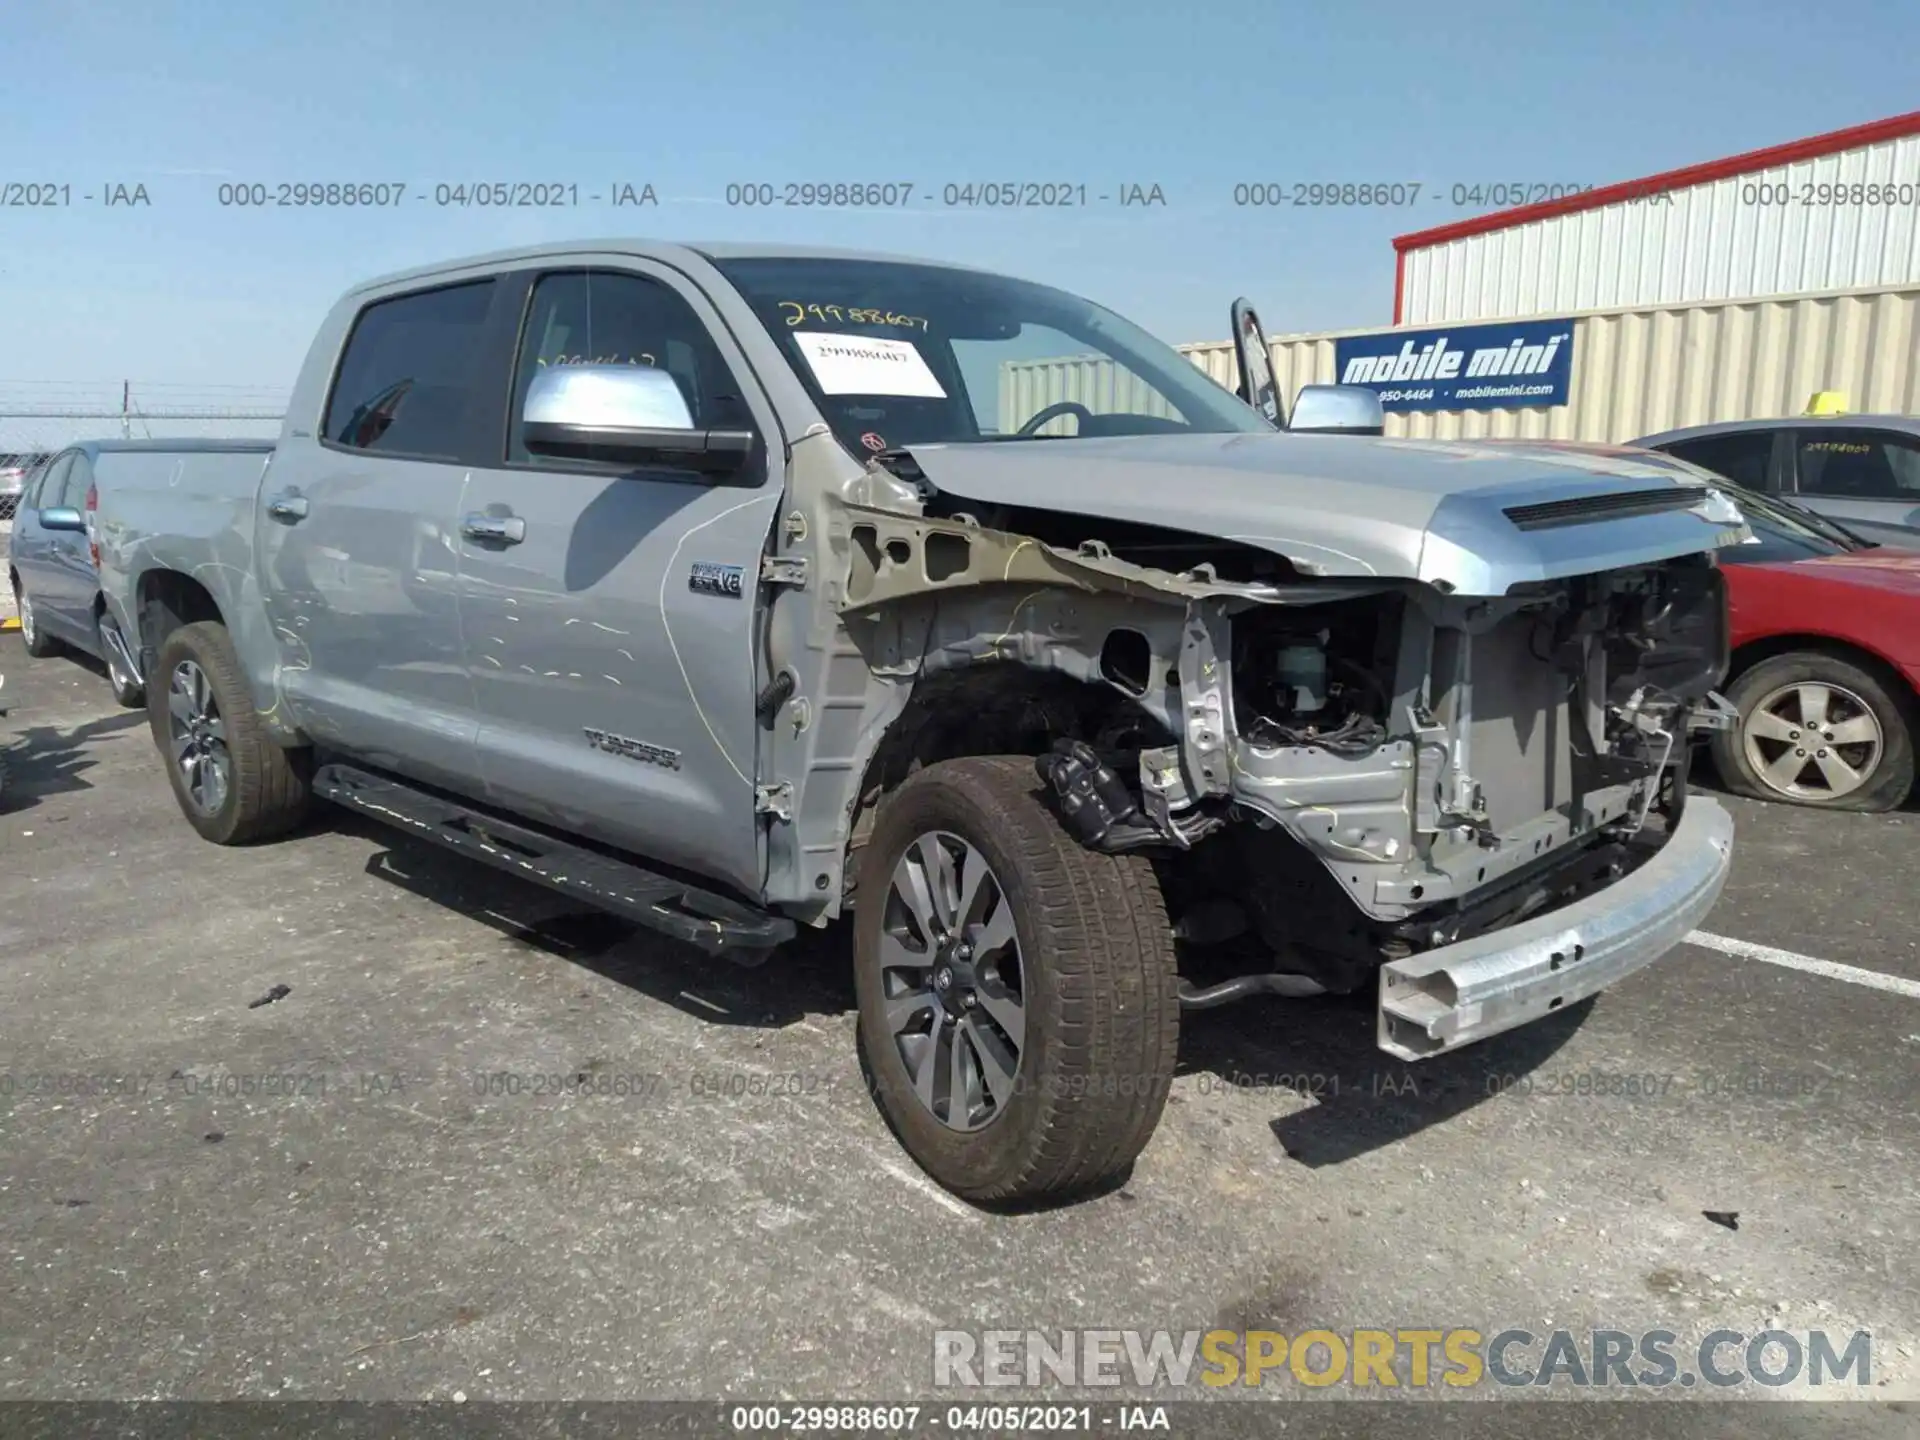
1809, 741
37, 641
1818, 729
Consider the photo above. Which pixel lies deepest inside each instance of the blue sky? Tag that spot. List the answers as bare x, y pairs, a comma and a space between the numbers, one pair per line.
691, 97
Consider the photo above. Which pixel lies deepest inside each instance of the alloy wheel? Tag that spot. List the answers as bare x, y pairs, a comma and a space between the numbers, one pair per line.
198, 737
1812, 740
952, 980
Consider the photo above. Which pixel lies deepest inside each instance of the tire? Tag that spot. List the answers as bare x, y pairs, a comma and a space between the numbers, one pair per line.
236, 785
1093, 966
32, 634
1757, 758
127, 689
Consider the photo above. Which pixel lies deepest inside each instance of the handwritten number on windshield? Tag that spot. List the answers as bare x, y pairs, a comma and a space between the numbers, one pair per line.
848, 316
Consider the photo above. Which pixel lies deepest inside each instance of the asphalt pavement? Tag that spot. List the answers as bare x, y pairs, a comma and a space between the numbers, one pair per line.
486, 1145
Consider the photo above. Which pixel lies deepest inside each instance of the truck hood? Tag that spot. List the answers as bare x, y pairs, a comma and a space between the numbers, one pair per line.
1464, 516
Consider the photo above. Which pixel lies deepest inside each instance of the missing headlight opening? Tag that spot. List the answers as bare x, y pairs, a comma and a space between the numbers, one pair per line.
1315, 676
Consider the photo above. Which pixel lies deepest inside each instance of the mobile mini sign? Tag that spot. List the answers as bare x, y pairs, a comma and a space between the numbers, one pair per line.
1511, 366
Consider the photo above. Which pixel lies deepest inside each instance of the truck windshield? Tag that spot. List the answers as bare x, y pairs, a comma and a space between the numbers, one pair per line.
897, 354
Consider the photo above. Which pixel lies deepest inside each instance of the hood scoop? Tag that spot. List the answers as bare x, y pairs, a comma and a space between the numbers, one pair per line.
1611, 505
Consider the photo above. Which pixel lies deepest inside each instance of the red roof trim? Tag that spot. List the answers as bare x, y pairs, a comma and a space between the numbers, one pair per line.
1399, 283
1832, 143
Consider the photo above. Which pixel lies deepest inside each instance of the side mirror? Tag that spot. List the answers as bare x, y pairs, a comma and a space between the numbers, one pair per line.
1256, 363
61, 517
624, 415
1338, 410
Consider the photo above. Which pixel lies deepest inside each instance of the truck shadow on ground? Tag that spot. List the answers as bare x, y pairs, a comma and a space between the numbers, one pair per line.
1322, 1050
45, 760
808, 976
1360, 1098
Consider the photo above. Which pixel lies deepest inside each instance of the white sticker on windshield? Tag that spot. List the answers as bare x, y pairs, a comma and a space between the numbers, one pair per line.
864, 365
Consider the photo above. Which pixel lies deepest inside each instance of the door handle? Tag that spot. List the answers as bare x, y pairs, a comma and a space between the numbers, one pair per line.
288, 506
500, 529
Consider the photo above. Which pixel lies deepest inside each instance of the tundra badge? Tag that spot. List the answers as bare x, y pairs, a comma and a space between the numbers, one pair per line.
633, 749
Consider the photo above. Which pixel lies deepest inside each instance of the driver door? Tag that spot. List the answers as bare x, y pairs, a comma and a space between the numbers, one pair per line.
612, 619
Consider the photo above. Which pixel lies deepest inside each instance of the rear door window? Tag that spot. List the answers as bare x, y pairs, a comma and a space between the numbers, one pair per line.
52, 482
34, 483
79, 480
408, 376
1743, 458
1858, 464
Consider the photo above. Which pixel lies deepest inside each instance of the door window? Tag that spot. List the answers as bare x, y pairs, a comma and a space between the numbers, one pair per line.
52, 481
1858, 464
408, 373
79, 480
1742, 458
611, 317
36, 469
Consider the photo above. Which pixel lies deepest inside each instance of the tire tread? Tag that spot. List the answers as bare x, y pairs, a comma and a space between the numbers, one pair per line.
270, 783
1104, 934
1898, 713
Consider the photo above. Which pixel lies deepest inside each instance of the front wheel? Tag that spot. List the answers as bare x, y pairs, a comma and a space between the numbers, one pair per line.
233, 783
1817, 730
1018, 994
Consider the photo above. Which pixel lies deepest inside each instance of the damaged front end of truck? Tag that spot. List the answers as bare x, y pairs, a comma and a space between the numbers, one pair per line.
1435, 733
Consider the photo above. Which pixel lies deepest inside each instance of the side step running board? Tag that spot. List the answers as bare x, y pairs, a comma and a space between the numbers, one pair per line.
715, 923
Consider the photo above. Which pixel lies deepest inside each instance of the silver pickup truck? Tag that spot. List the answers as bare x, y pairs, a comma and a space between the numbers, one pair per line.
741, 588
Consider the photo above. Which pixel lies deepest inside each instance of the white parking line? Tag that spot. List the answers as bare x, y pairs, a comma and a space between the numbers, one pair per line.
927, 1188
1766, 954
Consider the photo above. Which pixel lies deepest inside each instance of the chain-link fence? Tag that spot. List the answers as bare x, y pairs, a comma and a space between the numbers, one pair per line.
43, 415
38, 417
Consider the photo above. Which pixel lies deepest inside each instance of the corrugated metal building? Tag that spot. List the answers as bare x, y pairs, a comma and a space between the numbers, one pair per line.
1640, 370
1839, 211
1731, 290
1635, 370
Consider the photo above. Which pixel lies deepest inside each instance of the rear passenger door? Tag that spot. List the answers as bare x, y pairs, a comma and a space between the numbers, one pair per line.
72, 581
1868, 480
357, 539
614, 698
35, 552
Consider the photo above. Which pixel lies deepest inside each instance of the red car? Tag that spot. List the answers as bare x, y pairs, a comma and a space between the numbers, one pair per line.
1826, 663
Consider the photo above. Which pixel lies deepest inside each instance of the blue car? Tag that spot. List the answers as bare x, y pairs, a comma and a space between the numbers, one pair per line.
51, 566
